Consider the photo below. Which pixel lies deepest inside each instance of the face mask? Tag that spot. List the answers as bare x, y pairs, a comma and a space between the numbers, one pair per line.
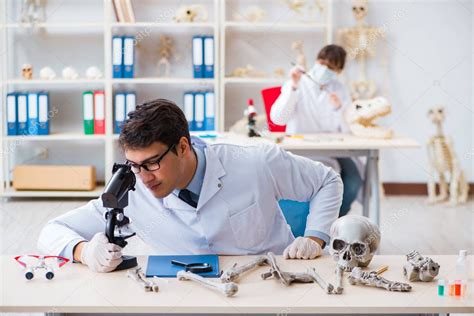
322, 74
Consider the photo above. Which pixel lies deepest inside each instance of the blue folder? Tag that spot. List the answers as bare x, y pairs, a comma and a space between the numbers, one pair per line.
117, 57
161, 266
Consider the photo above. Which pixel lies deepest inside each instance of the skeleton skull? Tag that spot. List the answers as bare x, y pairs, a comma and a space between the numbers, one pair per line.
354, 240
359, 9
27, 71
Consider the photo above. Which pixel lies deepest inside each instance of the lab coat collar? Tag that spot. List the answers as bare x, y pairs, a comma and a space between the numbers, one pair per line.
211, 184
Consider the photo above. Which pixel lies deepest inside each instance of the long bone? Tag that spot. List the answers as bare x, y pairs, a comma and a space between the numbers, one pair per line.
228, 289
326, 286
235, 271
339, 273
285, 277
138, 276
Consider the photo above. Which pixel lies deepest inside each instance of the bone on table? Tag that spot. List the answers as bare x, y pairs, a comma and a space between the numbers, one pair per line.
139, 277
285, 277
228, 289
326, 286
235, 271
339, 273
358, 276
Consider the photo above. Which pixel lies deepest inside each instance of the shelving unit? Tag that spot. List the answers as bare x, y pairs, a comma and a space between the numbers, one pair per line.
272, 35
101, 27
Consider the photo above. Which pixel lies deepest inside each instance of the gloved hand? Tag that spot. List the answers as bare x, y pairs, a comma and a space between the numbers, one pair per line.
100, 255
302, 248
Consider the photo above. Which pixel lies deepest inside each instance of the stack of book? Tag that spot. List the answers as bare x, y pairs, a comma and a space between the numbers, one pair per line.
123, 11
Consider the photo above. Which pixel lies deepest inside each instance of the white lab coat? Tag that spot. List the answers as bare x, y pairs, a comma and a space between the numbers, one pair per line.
237, 212
308, 109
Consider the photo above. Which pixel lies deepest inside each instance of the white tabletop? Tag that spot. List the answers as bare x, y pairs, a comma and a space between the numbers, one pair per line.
319, 141
76, 289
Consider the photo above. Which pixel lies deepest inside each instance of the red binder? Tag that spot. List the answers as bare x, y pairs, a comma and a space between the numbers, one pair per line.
99, 112
269, 97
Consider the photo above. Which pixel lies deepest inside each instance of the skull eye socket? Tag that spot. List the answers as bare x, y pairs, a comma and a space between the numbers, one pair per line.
338, 244
358, 249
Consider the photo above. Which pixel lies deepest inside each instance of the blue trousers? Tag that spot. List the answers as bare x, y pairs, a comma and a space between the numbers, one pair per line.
352, 183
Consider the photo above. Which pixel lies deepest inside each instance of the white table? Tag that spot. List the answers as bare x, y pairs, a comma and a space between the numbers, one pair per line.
76, 289
336, 145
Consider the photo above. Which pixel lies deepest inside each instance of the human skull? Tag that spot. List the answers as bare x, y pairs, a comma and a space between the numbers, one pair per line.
354, 240
436, 114
359, 9
27, 71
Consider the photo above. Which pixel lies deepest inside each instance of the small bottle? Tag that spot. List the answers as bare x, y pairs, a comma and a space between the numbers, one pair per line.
461, 265
441, 287
463, 287
457, 288
451, 288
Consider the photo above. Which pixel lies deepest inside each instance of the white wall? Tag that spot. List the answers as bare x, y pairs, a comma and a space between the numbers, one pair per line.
430, 63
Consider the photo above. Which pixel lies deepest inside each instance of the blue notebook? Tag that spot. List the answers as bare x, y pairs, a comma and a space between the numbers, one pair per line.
161, 266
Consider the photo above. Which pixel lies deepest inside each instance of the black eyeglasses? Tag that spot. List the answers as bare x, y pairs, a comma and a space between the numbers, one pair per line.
153, 165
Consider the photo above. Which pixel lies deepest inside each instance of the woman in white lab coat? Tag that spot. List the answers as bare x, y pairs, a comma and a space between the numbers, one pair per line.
314, 102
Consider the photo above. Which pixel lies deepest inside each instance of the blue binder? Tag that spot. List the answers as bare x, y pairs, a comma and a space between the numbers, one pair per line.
119, 104
161, 266
12, 114
208, 56
130, 103
188, 104
199, 111
128, 56
43, 113
210, 111
33, 122
22, 105
198, 56
117, 57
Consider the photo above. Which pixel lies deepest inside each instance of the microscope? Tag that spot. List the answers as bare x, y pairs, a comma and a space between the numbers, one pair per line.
115, 198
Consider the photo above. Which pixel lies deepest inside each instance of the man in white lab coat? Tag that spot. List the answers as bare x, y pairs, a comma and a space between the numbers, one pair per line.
197, 198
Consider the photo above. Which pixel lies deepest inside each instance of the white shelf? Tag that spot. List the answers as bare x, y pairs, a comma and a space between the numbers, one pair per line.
275, 26
55, 25
162, 80
164, 25
54, 81
248, 80
11, 192
55, 137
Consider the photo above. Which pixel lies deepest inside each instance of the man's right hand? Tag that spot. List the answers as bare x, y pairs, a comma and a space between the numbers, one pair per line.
295, 75
98, 254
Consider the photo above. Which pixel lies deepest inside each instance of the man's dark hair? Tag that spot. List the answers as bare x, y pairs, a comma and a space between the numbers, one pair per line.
159, 120
334, 54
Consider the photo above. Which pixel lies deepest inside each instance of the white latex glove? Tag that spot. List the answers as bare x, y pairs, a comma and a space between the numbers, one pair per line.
302, 248
100, 255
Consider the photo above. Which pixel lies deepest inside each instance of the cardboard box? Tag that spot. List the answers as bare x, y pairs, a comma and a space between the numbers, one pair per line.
58, 178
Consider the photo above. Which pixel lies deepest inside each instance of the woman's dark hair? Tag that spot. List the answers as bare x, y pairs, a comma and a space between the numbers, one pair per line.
159, 120
334, 54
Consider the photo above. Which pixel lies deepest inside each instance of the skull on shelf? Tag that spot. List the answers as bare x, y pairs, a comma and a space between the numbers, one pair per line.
354, 240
